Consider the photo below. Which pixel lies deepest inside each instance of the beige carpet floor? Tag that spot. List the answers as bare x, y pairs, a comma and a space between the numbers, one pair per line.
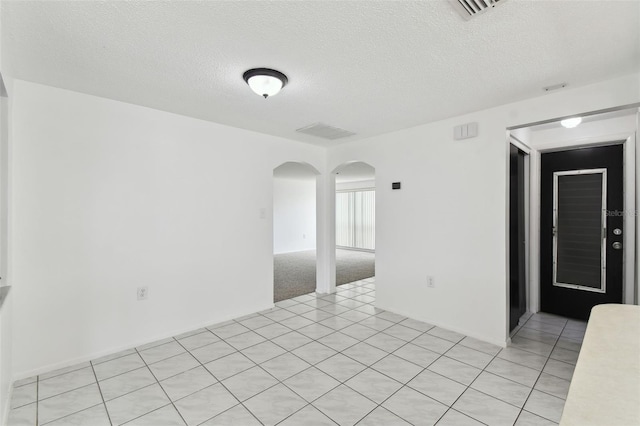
295, 273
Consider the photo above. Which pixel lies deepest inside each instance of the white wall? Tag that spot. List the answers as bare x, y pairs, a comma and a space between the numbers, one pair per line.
449, 219
349, 186
607, 128
6, 308
294, 215
110, 196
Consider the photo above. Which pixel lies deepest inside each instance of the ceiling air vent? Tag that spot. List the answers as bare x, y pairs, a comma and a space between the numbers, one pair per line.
325, 131
470, 8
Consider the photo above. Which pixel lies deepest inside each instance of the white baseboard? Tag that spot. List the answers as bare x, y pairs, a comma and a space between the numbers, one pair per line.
7, 406
98, 354
502, 344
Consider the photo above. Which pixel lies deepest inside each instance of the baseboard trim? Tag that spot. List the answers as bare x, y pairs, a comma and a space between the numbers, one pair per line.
7, 406
356, 249
98, 354
502, 344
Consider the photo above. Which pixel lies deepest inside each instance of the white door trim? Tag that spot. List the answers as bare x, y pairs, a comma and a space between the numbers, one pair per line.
628, 142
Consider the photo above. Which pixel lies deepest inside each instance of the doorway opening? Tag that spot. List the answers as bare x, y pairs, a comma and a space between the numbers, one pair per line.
355, 222
518, 191
581, 214
294, 230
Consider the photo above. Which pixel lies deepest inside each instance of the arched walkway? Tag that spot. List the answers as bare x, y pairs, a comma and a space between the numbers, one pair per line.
294, 229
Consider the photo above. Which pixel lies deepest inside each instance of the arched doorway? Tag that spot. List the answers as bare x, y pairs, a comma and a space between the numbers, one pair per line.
294, 230
355, 222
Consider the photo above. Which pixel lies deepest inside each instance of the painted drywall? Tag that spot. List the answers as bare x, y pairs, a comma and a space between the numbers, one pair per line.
5, 357
109, 197
294, 215
352, 186
5, 280
449, 219
6, 317
606, 128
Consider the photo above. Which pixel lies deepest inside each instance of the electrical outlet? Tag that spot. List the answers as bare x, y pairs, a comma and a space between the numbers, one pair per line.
143, 293
304, 236
431, 281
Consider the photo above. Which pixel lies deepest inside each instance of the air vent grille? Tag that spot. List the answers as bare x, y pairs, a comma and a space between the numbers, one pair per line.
325, 131
470, 8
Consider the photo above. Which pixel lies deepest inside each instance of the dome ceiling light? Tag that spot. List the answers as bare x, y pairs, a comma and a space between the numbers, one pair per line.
264, 81
570, 123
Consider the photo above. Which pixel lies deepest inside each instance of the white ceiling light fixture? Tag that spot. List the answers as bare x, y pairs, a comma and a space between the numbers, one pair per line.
572, 122
264, 81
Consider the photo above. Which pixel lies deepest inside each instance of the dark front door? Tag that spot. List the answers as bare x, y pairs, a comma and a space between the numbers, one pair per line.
581, 230
517, 293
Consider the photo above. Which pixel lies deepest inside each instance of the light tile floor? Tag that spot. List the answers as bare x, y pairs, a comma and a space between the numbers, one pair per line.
316, 360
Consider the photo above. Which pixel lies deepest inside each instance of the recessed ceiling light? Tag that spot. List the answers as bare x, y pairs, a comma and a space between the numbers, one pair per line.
572, 122
264, 81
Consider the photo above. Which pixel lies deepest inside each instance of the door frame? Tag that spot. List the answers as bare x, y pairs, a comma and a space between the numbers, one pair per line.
631, 182
628, 142
527, 150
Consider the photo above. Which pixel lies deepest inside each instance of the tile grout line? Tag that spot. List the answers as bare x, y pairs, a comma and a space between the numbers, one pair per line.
344, 382
37, 400
361, 341
392, 353
317, 321
532, 387
221, 384
469, 387
539, 375
307, 403
158, 383
540, 372
187, 351
408, 381
367, 366
235, 348
314, 365
73, 414
127, 372
104, 403
205, 329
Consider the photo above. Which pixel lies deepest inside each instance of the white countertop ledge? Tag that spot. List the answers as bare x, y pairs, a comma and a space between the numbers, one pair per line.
605, 388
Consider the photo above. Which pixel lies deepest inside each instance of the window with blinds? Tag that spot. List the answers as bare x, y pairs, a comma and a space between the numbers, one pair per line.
356, 219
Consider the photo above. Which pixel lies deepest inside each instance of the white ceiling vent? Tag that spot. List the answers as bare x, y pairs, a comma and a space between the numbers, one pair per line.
325, 131
470, 8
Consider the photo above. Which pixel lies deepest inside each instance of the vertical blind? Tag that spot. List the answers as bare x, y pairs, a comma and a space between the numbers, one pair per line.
356, 219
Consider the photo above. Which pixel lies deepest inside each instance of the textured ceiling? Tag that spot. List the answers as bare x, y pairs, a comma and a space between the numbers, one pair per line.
365, 66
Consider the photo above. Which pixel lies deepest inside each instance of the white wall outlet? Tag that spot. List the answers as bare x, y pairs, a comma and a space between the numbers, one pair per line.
431, 281
143, 293
263, 213
304, 236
